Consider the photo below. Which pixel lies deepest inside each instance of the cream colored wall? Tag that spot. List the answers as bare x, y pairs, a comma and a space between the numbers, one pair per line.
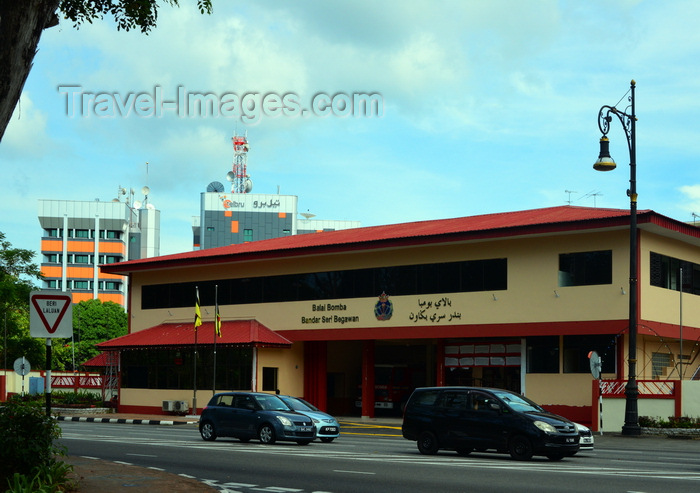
662, 304
571, 389
532, 282
290, 364
155, 397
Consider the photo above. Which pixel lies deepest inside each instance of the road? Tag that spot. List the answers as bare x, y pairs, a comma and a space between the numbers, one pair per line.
360, 462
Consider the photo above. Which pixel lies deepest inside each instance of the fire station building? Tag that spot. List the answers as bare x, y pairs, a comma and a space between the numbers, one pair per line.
353, 320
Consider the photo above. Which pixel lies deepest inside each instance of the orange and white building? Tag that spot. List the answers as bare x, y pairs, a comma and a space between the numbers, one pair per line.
78, 236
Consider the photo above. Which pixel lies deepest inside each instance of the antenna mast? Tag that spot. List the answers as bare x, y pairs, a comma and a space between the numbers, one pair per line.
239, 178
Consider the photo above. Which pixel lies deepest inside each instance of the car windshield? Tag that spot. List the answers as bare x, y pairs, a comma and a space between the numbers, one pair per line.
271, 403
519, 403
298, 404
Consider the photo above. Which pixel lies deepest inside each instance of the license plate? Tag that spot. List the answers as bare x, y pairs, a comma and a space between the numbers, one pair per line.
306, 428
570, 440
331, 429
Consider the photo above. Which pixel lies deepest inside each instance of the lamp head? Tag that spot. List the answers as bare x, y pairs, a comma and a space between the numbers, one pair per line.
604, 162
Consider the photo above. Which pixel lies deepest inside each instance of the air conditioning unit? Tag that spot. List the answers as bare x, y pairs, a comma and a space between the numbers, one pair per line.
169, 405
182, 406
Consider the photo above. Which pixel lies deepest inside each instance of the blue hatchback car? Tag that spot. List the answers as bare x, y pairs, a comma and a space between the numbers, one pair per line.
248, 415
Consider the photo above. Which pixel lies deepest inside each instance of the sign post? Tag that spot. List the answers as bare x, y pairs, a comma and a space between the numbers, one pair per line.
50, 316
596, 369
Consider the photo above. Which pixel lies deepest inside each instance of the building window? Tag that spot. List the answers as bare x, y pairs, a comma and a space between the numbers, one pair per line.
54, 284
114, 235
112, 259
577, 348
80, 285
52, 258
403, 280
269, 379
173, 368
112, 285
82, 233
210, 228
543, 354
665, 272
585, 268
660, 362
81, 259
286, 232
52, 232
247, 235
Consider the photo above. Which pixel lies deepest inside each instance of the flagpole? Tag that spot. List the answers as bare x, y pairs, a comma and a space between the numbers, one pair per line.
217, 329
197, 323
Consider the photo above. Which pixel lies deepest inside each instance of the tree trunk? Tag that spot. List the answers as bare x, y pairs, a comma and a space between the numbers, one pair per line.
21, 25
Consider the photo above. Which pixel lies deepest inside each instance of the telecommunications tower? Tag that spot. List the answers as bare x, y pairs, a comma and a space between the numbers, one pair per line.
239, 178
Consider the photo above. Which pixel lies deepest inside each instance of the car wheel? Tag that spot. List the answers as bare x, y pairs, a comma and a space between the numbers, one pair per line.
207, 431
266, 434
304, 442
327, 439
464, 451
520, 448
555, 456
428, 443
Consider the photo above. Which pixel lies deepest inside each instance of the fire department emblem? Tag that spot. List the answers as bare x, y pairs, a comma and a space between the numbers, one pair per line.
383, 309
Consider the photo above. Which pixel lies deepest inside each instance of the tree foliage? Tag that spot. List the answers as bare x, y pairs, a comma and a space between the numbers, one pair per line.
94, 321
17, 276
22, 23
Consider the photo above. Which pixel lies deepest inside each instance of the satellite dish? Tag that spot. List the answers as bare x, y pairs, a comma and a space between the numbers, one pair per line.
248, 185
137, 204
22, 366
230, 176
145, 190
215, 186
596, 364
150, 207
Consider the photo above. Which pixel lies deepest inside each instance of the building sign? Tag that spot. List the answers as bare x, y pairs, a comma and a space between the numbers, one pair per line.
327, 308
435, 311
256, 204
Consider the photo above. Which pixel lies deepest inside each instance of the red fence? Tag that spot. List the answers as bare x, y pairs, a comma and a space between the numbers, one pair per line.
75, 381
648, 389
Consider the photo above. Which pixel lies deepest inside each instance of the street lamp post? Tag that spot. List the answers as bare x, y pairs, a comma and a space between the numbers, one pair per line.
606, 163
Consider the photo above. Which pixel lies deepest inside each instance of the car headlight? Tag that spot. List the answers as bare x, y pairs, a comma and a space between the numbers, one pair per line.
546, 427
284, 420
315, 420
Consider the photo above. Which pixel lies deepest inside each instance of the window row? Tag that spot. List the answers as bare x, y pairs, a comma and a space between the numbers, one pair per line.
174, 368
570, 354
450, 277
79, 258
83, 233
672, 273
75, 284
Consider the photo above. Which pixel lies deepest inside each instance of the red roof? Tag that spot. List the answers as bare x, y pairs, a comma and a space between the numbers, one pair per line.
534, 221
101, 360
233, 333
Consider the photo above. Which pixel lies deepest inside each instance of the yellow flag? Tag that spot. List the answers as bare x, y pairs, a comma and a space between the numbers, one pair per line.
197, 313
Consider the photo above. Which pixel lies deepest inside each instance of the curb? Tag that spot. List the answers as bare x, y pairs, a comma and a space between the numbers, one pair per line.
124, 421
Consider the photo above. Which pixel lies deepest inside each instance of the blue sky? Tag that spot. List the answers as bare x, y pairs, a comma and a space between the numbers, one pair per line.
488, 106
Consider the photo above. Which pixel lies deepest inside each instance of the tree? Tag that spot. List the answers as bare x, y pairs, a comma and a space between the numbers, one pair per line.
94, 321
17, 273
22, 23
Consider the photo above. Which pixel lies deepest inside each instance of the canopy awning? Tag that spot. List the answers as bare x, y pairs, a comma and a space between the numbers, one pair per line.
175, 335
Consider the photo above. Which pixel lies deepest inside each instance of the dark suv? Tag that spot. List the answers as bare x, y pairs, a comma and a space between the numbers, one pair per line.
471, 418
247, 415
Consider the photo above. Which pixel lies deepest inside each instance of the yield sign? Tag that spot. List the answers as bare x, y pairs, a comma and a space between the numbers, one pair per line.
50, 314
